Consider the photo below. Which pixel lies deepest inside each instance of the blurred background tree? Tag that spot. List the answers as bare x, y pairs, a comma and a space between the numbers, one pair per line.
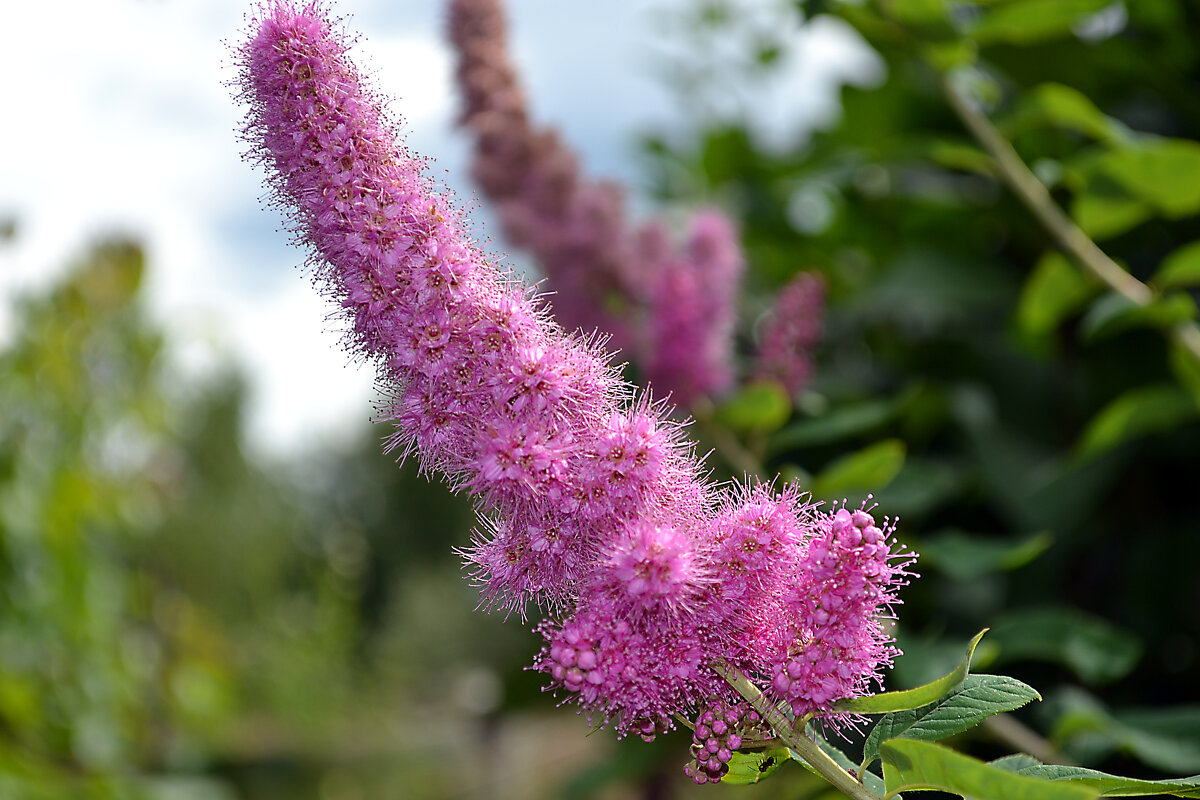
180, 621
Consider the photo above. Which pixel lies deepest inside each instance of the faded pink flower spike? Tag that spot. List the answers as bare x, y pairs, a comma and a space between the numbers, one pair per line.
669, 308
590, 501
791, 332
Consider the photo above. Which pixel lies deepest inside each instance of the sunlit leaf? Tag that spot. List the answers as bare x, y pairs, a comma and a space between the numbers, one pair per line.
1066, 107
974, 700
910, 765
747, 768
1030, 21
1180, 268
871, 468
906, 699
762, 406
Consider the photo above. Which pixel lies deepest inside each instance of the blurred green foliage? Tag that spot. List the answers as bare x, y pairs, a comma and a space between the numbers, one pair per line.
1037, 433
178, 620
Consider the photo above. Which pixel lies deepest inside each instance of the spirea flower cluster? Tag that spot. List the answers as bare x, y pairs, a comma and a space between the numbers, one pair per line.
671, 308
591, 502
791, 332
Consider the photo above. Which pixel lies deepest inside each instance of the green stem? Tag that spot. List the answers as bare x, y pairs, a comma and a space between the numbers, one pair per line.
785, 730
1073, 241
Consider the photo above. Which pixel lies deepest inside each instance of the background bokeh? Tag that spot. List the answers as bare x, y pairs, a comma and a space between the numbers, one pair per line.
214, 585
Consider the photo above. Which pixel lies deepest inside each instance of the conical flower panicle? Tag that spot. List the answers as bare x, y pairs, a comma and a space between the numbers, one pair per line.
591, 501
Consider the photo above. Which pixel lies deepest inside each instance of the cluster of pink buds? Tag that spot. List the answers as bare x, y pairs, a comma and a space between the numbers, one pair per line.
720, 730
591, 501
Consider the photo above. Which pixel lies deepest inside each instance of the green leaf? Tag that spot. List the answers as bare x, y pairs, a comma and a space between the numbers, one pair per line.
1103, 215
869, 779
841, 423
1114, 313
1031, 21
1163, 172
747, 768
911, 765
919, 11
871, 468
1137, 413
1180, 268
1186, 368
906, 699
1055, 290
964, 557
1095, 650
1065, 107
1113, 785
976, 698
1167, 739
761, 407
955, 155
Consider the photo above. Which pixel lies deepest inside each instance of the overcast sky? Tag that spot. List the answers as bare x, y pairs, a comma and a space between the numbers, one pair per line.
117, 120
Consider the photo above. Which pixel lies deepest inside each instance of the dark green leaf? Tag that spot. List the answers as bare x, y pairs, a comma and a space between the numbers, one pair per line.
841, 423
1114, 313
1167, 739
871, 468
906, 699
747, 768
976, 699
1186, 368
1095, 650
913, 765
1056, 289
1137, 413
964, 557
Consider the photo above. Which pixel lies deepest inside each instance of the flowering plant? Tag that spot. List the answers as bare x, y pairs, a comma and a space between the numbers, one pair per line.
747, 613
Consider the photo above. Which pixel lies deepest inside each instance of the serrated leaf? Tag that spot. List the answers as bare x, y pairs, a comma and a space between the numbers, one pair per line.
910, 765
762, 406
1030, 21
871, 468
1137, 413
906, 699
963, 556
976, 699
1095, 650
1180, 268
1114, 785
1016, 762
747, 768
1054, 290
